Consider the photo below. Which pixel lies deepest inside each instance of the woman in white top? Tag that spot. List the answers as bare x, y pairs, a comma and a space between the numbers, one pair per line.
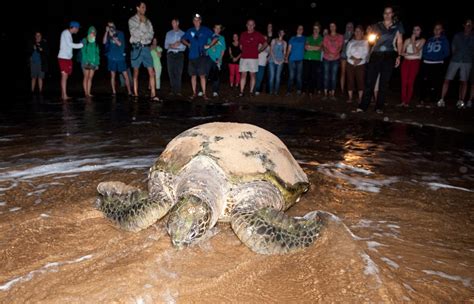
412, 51
356, 52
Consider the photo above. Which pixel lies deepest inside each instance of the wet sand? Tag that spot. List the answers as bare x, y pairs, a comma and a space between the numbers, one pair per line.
402, 199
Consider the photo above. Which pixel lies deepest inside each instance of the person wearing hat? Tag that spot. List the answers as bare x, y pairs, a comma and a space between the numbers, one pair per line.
141, 35
196, 39
65, 55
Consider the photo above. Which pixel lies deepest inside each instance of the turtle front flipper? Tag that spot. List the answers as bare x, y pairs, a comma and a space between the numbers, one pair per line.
131, 208
269, 231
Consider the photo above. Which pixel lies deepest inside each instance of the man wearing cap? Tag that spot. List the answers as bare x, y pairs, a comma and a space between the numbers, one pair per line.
175, 56
65, 55
141, 35
196, 39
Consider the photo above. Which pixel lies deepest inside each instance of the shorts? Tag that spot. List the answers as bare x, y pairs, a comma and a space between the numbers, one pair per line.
141, 55
199, 66
65, 66
248, 65
118, 66
464, 70
89, 66
36, 71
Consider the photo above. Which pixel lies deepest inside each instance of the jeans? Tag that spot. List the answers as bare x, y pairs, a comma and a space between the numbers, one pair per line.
296, 72
380, 63
260, 76
274, 77
175, 63
330, 74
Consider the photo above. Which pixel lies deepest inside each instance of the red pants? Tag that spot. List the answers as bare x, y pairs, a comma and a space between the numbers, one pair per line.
409, 71
234, 74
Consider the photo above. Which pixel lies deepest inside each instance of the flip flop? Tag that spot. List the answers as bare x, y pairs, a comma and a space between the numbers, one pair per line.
156, 99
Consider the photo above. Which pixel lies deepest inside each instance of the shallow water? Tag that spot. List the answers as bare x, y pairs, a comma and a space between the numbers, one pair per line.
402, 199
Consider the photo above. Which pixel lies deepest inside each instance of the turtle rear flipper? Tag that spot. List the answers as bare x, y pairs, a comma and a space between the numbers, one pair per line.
269, 231
131, 208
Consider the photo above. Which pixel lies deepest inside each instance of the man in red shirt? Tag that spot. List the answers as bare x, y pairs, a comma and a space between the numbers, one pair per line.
249, 43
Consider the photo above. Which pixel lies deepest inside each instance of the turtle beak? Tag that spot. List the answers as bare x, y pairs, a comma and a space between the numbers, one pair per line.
177, 244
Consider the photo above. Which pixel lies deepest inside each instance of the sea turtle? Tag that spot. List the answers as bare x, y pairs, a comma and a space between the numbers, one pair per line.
227, 172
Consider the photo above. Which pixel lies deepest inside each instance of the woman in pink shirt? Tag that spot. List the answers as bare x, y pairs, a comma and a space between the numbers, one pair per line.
332, 47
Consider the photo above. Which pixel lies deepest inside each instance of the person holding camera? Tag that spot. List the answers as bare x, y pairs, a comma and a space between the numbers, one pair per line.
38, 62
114, 42
141, 35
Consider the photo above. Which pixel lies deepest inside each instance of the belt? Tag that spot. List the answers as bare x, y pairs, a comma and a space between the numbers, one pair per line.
140, 45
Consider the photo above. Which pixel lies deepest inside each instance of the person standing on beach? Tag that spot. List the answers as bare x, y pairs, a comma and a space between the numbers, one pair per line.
114, 42
175, 56
251, 43
141, 35
65, 55
38, 62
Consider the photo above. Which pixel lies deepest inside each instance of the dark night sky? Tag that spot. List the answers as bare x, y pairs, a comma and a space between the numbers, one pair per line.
51, 17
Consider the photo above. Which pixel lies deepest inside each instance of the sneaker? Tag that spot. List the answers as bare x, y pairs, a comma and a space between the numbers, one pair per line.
215, 94
257, 93
378, 111
441, 103
200, 94
469, 104
298, 92
460, 104
359, 110
241, 94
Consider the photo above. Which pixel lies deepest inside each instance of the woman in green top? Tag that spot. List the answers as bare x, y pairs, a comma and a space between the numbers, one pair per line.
312, 65
90, 60
156, 51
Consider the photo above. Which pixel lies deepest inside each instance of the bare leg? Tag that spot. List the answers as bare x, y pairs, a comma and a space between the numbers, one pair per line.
84, 81
252, 81
40, 85
350, 96
152, 82
64, 78
127, 82
445, 89
194, 84
462, 90
112, 82
135, 81
361, 93
203, 85
89, 82
33, 84
243, 82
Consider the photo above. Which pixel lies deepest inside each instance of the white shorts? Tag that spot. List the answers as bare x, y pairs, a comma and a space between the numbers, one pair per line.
248, 65
463, 68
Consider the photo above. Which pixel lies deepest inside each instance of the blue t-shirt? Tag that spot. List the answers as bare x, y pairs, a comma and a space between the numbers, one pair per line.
198, 39
113, 51
297, 48
36, 57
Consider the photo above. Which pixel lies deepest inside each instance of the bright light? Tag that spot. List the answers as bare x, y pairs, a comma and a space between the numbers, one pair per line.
372, 38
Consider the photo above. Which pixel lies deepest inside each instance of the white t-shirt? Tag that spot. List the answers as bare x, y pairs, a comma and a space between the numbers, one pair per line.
66, 45
357, 49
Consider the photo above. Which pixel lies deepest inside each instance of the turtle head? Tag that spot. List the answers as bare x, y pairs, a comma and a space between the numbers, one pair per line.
189, 220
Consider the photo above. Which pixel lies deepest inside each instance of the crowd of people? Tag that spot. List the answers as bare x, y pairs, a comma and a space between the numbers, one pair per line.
363, 58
